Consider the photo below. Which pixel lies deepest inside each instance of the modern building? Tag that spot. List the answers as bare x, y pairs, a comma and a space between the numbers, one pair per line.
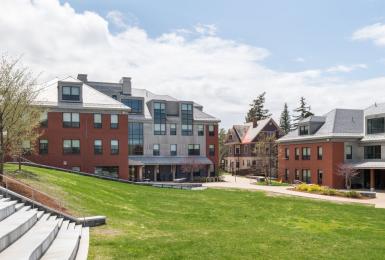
82, 129
242, 157
313, 152
168, 139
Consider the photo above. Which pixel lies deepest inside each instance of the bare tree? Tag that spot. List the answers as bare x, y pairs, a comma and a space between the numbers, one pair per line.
18, 117
348, 172
266, 150
190, 166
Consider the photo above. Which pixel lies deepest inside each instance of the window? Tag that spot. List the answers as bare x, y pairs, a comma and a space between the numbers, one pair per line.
287, 153
136, 105
71, 120
159, 118
107, 171
44, 119
43, 146
248, 163
71, 146
172, 129
114, 147
375, 125
173, 149
201, 130
114, 121
211, 150
246, 149
156, 150
115, 97
237, 150
296, 153
194, 149
320, 174
319, 153
372, 152
306, 176
286, 174
349, 152
97, 120
135, 138
296, 174
304, 130
187, 119
98, 148
70, 93
305, 153
211, 130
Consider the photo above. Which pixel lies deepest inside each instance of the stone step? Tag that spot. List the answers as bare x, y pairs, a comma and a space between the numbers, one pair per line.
35, 242
66, 243
19, 206
13, 227
7, 208
82, 253
5, 199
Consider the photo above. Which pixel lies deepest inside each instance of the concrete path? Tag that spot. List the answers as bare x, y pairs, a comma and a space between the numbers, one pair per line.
246, 183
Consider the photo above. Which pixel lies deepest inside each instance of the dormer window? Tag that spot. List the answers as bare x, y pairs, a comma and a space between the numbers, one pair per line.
71, 93
303, 130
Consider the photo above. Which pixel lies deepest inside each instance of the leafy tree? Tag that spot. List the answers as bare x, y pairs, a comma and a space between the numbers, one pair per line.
222, 147
266, 150
190, 166
285, 120
257, 109
302, 112
18, 117
348, 172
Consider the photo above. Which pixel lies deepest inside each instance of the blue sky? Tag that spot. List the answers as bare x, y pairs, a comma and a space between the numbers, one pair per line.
299, 34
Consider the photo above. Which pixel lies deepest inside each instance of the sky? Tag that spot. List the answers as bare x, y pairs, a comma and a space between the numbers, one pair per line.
221, 54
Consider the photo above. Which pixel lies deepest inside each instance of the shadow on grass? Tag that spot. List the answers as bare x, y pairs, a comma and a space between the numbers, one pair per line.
23, 174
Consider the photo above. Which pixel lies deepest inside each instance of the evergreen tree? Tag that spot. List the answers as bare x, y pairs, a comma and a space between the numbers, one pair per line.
303, 111
257, 109
285, 120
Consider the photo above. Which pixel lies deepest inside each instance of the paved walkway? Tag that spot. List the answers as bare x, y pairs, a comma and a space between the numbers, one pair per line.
246, 183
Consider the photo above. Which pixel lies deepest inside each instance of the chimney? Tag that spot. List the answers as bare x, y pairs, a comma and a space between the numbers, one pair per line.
82, 77
126, 85
255, 123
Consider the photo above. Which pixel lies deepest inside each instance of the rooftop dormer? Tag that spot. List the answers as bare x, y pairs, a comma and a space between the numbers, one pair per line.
70, 91
310, 125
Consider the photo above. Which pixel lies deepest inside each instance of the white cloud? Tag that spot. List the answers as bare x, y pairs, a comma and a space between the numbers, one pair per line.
222, 75
345, 68
299, 59
374, 32
116, 18
206, 29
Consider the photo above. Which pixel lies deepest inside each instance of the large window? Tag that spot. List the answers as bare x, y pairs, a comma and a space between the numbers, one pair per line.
135, 138
159, 118
114, 147
201, 130
303, 130
296, 175
71, 146
211, 130
305, 153
107, 171
349, 152
97, 120
194, 149
44, 119
173, 149
70, 93
320, 153
306, 176
71, 120
114, 121
136, 105
187, 119
156, 150
98, 148
211, 150
375, 126
43, 146
296, 150
172, 129
287, 153
320, 175
372, 152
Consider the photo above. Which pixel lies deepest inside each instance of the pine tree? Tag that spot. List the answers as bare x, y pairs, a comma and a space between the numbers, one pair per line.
257, 109
303, 111
285, 120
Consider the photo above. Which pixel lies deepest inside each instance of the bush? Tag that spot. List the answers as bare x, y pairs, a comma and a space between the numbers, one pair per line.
352, 194
309, 187
328, 191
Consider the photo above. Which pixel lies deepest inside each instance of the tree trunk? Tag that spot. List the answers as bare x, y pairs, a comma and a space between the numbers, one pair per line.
19, 161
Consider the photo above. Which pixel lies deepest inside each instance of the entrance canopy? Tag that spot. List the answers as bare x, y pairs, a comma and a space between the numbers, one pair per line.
167, 160
369, 165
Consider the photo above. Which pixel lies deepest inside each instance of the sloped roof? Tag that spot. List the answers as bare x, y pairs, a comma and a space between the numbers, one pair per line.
91, 98
375, 109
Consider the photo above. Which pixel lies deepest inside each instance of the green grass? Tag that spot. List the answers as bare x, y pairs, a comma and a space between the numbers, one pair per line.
153, 223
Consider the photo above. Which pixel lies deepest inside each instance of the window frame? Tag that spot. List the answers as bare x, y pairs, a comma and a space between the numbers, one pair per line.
173, 152
98, 149
211, 150
156, 152
98, 125
71, 123
319, 153
73, 149
114, 125
348, 156
70, 97
306, 155
114, 151
211, 131
45, 150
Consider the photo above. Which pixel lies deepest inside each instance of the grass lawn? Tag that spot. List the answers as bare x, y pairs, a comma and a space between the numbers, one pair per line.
154, 223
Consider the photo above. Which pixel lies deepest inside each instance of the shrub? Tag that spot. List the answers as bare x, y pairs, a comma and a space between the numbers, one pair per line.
352, 194
314, 188
328, 191
302, 187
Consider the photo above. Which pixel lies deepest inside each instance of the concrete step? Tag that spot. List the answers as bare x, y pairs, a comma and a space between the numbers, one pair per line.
13, 227
19, 206
82, 253
7, 208
66, 243
35, 242
5, 199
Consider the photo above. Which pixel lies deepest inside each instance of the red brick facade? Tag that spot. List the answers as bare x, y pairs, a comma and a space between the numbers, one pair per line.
55, 133
213, 140
333, 155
